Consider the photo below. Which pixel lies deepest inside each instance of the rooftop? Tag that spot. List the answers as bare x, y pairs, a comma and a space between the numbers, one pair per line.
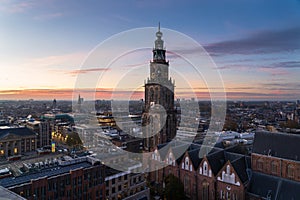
55, 170
7, 194
19, 131
281, 145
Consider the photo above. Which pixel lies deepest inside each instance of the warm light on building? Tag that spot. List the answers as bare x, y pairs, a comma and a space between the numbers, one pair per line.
53, 147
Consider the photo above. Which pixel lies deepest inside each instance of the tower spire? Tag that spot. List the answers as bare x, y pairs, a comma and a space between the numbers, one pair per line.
158, 26
159, 43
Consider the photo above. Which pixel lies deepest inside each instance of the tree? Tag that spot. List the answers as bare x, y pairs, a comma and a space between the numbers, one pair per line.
290, 124
73, 139
174, 188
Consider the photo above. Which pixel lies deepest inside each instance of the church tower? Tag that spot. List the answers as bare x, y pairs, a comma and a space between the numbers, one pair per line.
159, 117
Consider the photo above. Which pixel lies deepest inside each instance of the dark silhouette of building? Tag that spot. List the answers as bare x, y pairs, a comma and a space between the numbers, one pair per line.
159, 117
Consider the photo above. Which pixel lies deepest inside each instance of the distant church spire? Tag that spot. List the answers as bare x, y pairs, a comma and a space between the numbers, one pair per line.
79, 99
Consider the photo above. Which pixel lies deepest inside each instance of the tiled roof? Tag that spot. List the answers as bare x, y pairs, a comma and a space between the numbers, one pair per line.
240, 167
48, 172
279, 188
280, 145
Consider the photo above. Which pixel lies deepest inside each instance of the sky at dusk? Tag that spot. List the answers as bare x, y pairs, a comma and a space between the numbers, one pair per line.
254, 44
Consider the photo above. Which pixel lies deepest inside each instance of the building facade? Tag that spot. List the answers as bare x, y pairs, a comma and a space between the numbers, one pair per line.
42, 128
81, 178
217, 175
159, 116
125, 185
14, 141
276, 166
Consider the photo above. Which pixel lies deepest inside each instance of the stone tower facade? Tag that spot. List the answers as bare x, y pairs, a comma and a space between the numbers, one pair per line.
159, 117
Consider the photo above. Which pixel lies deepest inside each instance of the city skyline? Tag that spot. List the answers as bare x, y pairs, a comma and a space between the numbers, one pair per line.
254, 45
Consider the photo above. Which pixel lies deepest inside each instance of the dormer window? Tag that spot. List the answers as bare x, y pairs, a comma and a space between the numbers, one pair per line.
170, 159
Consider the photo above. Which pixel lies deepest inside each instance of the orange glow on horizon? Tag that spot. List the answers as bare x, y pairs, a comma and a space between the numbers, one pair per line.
108, 93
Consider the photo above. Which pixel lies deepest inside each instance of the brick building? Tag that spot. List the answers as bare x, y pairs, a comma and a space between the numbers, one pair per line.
276, 166
126, 185
14, 141
81, 178
217, 174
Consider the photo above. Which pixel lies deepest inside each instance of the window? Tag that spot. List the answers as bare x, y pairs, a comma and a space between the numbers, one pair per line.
228, 195
234, 196
187, 184
205, 168
259, 164
205, 190
186, 163
222, 195
290, 171
273, 167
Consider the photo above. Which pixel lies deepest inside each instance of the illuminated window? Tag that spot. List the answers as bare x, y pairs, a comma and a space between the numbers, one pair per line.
1, 152
15, 150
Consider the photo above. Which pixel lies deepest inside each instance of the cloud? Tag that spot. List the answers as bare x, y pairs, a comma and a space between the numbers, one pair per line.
274, 69
271, 93
287, 64
12, 6
292, 86
69, 93
269, 41
48, 16
84, 71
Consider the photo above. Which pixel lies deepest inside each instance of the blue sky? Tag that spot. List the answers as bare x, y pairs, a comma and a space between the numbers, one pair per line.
255, 44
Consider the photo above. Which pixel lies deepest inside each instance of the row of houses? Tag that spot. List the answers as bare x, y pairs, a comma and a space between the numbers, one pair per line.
271, 172
206, 172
